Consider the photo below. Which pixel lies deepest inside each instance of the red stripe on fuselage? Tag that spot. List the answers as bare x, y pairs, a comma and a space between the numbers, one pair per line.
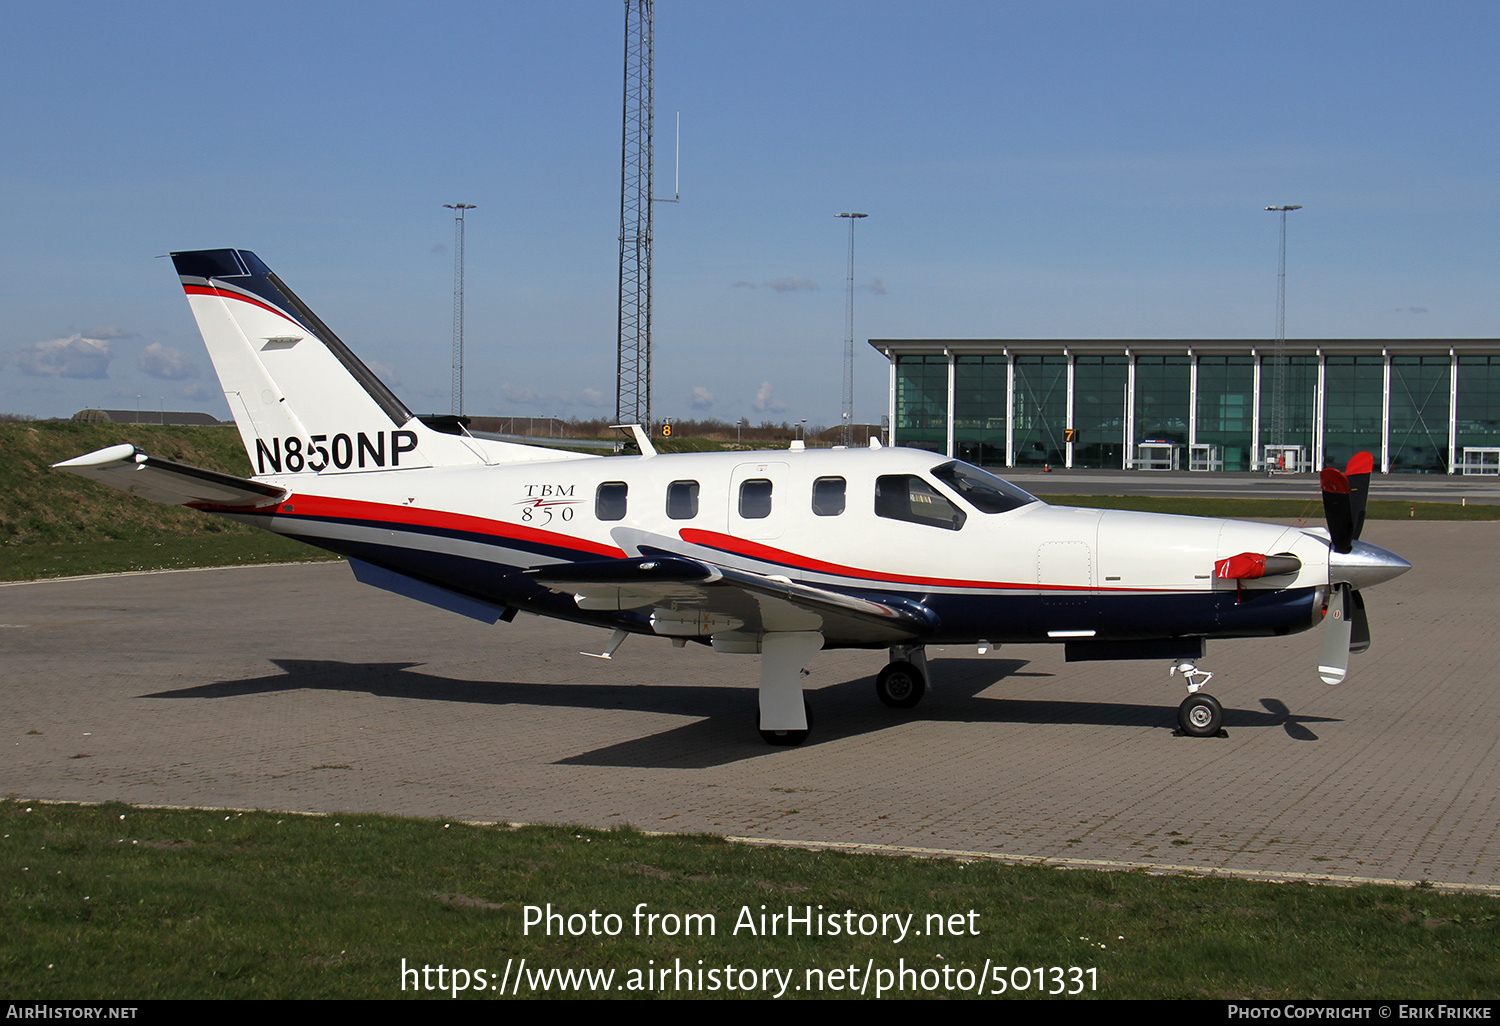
765, 553
415, 516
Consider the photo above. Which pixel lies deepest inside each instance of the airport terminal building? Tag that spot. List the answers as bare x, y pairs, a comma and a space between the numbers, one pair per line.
1427, 406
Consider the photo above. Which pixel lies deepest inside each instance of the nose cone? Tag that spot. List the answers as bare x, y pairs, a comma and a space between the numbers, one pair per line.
1366, 566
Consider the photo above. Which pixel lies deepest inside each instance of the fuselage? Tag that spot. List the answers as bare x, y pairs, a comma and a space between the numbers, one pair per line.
870, 522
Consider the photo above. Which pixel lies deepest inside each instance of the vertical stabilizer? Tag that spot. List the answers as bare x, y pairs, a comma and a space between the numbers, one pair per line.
302, 400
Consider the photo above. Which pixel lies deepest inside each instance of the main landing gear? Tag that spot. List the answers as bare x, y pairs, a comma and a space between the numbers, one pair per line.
903, 682
1200, 714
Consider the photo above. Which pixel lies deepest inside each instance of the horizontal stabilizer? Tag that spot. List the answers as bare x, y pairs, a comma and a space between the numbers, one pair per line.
176, 484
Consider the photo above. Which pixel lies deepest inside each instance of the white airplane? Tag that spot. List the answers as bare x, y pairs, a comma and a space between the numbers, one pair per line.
777, 553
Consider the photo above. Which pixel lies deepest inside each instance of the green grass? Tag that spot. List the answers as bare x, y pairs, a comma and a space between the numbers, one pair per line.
113, 901
55, 524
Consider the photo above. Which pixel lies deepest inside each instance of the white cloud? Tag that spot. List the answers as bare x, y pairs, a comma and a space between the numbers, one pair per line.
787, 284
765, 402
593, 397
791, 285
109, 331
71, 357
159, 361
702, 399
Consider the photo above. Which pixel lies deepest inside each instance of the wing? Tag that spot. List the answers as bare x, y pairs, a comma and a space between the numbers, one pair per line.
695, 598
176, 484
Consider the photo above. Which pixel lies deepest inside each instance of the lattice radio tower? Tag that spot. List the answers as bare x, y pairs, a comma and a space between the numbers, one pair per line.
633, 367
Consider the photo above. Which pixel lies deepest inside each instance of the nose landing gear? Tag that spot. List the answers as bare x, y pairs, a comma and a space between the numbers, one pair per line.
1200, 714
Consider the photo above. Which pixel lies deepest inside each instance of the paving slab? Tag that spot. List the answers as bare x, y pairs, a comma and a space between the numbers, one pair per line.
294, 688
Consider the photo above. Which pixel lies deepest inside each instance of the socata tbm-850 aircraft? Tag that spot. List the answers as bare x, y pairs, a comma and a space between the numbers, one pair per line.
777, 553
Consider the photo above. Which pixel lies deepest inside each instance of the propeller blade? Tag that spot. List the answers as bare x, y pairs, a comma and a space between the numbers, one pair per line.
1359, 625
1333, 660
1337, 509
1358, 475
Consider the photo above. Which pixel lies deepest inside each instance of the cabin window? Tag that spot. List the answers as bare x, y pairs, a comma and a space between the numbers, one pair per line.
828, 496
609, 500
682, 500
908, 497
755, 499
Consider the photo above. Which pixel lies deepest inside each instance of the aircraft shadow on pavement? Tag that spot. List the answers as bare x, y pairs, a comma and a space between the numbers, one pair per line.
724, 729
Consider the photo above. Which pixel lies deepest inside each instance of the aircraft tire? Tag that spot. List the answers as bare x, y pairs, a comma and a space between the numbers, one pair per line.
1200, 715
790, 738
900, 685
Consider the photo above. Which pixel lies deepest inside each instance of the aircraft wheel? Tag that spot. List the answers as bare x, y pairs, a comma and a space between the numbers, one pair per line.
1200, 715
790, 738
900, 685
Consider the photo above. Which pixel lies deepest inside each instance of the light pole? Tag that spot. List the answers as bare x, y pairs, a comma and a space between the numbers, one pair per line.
847, 435
1278, 374
458, 303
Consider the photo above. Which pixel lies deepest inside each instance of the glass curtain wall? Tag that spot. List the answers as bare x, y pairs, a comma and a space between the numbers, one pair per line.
1041, 409
1226, 402
1099, 384
1353, 399
922, 402
1161, 398
979, 409
1478, 410
1301, 393
1419, 413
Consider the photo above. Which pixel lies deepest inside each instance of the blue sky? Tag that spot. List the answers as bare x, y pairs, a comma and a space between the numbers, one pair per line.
1067, 169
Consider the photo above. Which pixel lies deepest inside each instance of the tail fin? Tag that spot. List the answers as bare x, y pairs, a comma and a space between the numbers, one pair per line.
304, 403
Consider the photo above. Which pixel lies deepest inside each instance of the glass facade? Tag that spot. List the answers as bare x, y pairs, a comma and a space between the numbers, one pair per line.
1099, 397
922, 402
979, 390
1297, 407
1353, 407
1478, 405
1226, 399
1419, 413
1416, 409
1041, 410
1161, 398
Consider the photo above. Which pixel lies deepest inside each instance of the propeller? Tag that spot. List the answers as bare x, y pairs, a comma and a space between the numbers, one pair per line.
1346, 626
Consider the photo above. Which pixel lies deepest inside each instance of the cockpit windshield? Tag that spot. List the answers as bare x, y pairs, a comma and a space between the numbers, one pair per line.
981, 489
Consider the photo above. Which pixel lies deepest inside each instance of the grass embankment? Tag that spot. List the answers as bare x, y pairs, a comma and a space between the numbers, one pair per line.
117, 902
54, 524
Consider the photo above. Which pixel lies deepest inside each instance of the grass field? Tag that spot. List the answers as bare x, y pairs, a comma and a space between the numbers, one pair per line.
119, 902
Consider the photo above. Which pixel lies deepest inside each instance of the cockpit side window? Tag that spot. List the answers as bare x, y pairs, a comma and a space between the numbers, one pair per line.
981, 489
908, 497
